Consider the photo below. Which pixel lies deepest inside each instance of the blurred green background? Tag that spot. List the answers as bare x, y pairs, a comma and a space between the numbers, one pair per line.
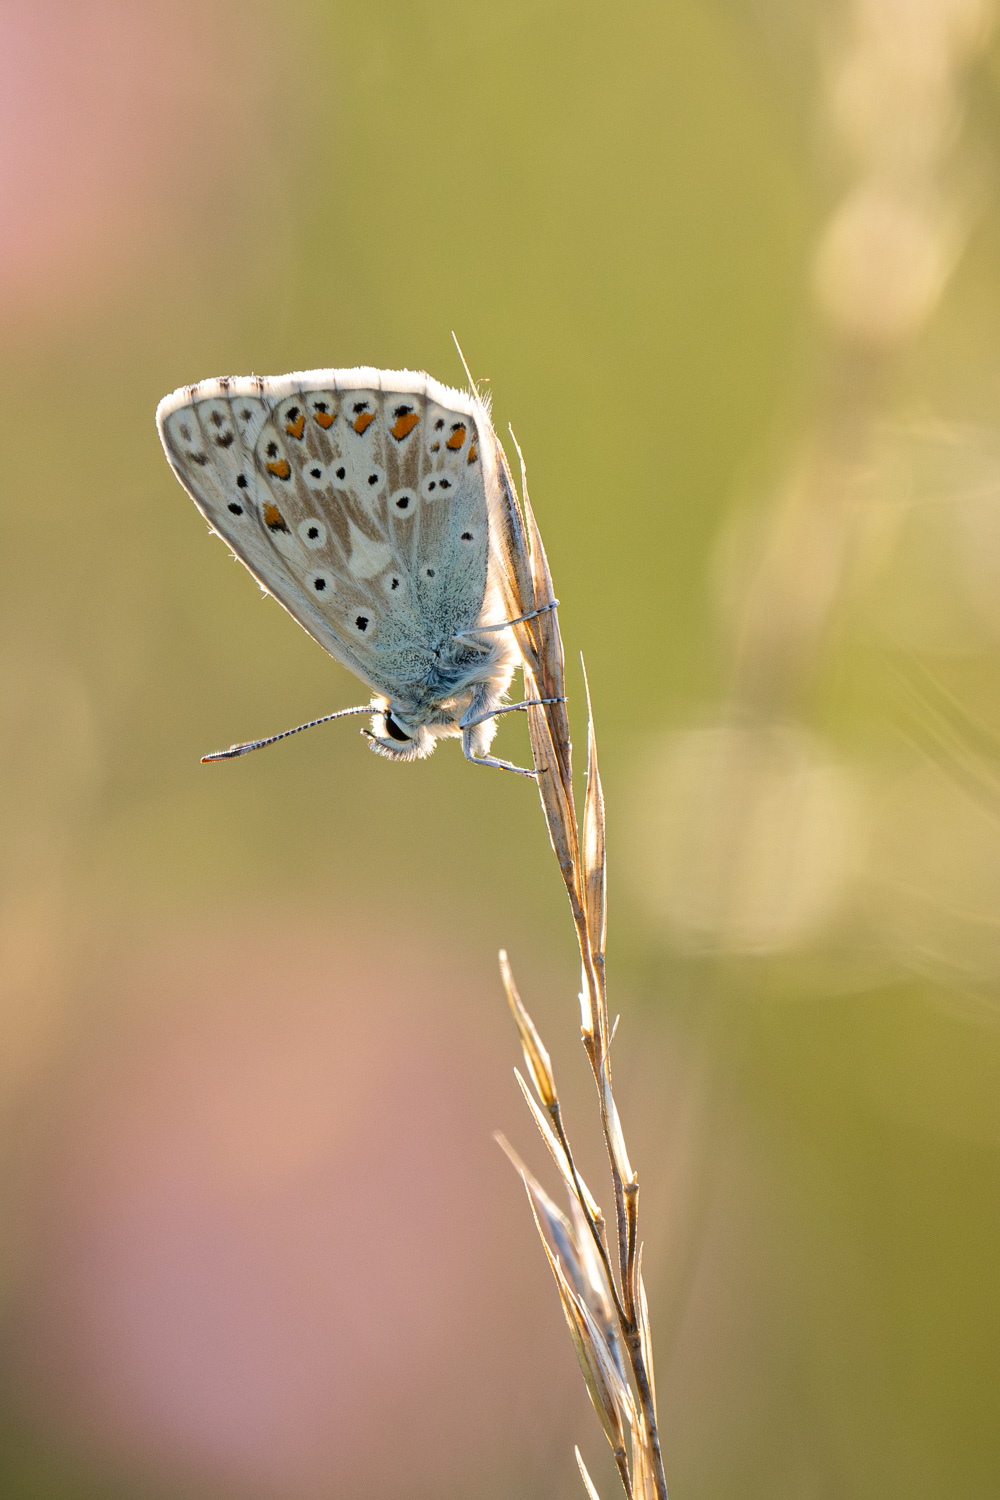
732, 270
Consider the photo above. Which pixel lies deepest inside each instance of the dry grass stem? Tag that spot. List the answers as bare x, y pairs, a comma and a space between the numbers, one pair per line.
588, 1483
604, 1304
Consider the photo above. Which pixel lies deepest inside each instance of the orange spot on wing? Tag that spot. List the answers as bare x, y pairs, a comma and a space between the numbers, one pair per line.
326, 418
473, 455
281, 470
364, 421
295, 429
273, 519
404, 425
456, 440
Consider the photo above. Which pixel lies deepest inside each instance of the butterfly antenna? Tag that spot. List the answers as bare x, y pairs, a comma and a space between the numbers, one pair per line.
235, 750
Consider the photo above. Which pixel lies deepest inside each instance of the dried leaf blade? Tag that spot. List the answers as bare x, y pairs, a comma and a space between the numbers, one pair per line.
611, 1400
616, 1137
551, 1221
536, 1055
573, 1181
588, 1483
598, 1294
560, 814
645, 1335
594, 851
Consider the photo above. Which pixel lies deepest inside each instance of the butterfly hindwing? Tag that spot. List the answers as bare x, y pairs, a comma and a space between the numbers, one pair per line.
355, 497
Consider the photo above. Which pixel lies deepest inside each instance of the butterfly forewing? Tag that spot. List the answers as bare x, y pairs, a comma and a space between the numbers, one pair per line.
357, 498
232, 492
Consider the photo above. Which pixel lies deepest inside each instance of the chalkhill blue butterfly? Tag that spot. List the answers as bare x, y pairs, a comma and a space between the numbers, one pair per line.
368, 503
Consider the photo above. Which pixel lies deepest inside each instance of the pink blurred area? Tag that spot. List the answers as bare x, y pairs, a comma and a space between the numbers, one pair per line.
117, 136
270, 1238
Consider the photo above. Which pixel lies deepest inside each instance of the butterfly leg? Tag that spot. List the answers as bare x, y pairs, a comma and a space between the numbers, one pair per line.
465, 635
476, 741
508, 708
478, 727
483, 710
491, 760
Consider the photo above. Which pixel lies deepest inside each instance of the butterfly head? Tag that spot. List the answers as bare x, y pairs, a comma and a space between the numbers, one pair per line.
400, 735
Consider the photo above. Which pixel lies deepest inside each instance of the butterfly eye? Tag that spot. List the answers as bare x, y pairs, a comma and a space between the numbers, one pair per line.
394, 731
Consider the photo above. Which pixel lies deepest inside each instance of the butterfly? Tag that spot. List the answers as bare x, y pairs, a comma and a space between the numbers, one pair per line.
367, 502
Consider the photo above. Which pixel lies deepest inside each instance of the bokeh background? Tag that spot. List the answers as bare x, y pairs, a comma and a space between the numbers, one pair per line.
732, 269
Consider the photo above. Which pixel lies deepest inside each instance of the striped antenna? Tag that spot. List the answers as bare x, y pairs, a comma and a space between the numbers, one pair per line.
235, 750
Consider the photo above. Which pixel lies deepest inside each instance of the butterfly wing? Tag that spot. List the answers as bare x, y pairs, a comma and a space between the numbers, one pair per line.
357, 498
